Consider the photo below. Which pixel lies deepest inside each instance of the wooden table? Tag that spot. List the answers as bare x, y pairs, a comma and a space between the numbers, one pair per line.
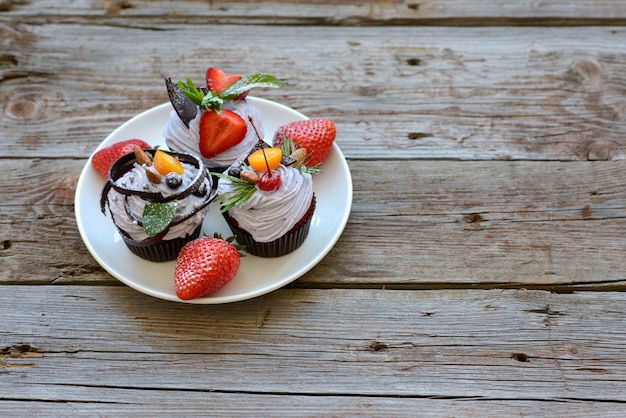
481, 272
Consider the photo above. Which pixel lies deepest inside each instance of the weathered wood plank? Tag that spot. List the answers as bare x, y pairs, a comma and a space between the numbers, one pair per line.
385, 12
433, 101
493, 224
514, 347
150, 403
394, 92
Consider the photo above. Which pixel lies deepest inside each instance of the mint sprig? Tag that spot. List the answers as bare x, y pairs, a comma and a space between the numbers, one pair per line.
248, 82
212, 100
192, 92
239, 195
157, 216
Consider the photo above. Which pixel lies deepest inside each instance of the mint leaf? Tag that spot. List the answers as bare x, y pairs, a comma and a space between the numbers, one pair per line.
248, 82
212, 100
192, 92
157, 216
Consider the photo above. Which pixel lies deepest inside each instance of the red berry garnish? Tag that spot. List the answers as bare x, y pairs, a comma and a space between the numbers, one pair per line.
205, 265
269, 181
316, 135
103, 158
217, 80
220, 131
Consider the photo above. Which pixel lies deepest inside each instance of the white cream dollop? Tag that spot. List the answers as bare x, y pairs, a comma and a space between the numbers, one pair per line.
126, 210
268, 215
182, 139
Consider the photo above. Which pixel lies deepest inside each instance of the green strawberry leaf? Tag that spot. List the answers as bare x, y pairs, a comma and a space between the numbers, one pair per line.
157, 216
248, 82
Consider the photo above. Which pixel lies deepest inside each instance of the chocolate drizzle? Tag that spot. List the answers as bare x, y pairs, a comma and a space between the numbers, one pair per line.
155, 239
125, 163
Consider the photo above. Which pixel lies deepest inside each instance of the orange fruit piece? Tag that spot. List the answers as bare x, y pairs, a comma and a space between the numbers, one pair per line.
257, 159
166, 163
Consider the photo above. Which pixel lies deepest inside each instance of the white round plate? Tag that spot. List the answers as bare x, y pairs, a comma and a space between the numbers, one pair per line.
256, 275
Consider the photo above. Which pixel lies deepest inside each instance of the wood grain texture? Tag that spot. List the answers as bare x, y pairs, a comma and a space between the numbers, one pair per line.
331, 12
556, 226
481, 271
394, 92
527, 351
144, 404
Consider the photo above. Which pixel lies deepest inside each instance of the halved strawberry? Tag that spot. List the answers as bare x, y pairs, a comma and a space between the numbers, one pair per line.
220, 131
104, 157
217, 80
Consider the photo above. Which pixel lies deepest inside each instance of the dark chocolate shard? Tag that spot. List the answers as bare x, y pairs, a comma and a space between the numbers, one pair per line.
260, 145
287, 160
184, 107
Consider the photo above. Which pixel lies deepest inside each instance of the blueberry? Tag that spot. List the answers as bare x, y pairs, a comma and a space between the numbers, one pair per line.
234, 171
173, 180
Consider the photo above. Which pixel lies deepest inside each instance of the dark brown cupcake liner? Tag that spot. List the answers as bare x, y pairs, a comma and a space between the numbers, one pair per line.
161, 250
286, 244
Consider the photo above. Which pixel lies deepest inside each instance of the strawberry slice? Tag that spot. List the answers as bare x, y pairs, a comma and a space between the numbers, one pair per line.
217, 80
220, 131
104, 157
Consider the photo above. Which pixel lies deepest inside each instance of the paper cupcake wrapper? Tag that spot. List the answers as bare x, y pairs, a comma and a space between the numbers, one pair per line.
279, 247
162, 250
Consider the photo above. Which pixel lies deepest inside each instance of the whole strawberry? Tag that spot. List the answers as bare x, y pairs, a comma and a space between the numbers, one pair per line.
316, 135
104, 157
205, 265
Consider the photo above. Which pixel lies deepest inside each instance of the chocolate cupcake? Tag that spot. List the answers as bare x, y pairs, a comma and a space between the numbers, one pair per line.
216, 122
269, 210
157, 204
285, 244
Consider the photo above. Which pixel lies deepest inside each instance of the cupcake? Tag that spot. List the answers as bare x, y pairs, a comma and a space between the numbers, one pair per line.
157, 204
216, 121
268, 200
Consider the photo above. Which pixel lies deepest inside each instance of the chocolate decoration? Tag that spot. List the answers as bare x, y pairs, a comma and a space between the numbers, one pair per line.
155, 239
184, 107
126, 162
287, 160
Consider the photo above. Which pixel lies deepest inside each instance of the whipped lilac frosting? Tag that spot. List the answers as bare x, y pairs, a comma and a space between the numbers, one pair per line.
127, 211
268, 215
182, 139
